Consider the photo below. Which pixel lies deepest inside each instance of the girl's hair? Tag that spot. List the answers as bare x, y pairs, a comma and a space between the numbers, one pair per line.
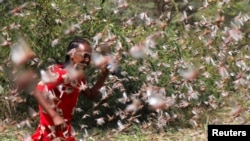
74, 44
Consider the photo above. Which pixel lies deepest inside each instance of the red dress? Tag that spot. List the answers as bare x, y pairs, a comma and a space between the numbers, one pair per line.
64, 95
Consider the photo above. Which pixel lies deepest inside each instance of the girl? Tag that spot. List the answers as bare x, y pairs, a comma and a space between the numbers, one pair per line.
57, 98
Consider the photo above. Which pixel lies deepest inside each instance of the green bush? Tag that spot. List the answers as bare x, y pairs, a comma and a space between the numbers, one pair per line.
183, 42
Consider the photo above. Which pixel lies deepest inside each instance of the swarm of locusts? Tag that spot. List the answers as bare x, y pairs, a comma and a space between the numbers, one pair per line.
221, 59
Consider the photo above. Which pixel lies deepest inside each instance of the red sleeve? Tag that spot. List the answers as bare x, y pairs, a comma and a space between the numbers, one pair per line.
60, 76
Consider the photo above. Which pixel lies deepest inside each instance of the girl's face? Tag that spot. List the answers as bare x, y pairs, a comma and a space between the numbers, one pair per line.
82, 55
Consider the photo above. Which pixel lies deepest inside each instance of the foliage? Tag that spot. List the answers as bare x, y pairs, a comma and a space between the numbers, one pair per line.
198, 53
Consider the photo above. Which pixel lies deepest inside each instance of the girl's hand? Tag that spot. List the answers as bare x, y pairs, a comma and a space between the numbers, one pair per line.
59, 123
102, 62
104, 69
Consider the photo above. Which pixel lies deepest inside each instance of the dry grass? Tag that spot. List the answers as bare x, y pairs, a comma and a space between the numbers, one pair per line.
225, 114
